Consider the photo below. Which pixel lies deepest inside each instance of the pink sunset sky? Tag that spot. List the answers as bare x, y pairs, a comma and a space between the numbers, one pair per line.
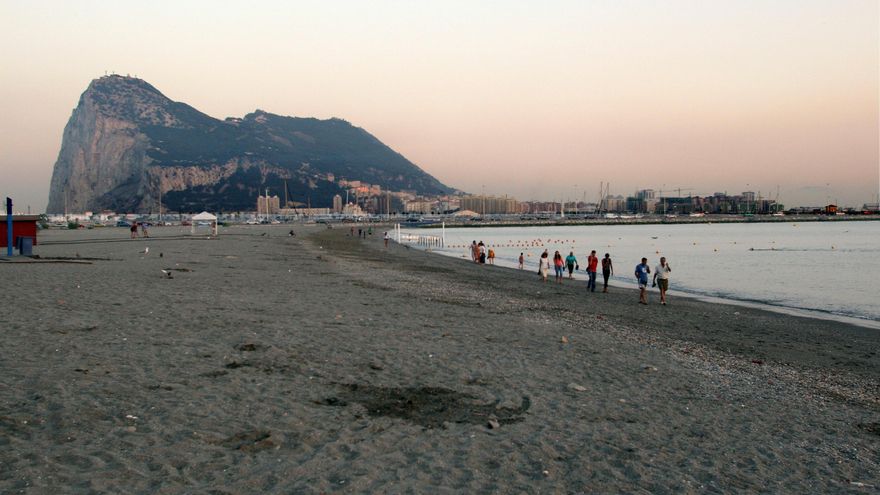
534, 100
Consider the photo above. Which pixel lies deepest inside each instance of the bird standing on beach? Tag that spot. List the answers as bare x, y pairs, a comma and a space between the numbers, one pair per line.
146, 250
167, 274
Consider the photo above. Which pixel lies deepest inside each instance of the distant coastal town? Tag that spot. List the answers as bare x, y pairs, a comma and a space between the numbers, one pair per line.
369, 202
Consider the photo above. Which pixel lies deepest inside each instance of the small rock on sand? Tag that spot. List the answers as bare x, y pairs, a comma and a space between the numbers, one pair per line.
576, 387
493, 424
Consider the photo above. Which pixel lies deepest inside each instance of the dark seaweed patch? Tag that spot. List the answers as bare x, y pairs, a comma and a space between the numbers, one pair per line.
429, 407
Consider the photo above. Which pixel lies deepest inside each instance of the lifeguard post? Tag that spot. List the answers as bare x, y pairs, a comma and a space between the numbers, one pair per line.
18, 230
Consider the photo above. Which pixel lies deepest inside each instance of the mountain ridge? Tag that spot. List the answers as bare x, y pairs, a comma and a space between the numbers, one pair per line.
126, 143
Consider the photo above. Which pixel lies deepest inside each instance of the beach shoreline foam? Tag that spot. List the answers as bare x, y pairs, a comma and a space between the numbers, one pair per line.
324, 363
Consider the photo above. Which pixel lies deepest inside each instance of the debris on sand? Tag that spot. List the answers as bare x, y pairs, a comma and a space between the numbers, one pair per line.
250, 441
430, 407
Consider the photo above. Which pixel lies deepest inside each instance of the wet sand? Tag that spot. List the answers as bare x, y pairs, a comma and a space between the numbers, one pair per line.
323, 363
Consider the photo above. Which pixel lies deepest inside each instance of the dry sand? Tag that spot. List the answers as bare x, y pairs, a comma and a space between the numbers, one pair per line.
324, 363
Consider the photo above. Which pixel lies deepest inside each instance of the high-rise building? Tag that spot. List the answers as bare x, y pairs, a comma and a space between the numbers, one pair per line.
268, 205
419, 205
645, 194
490, 205
383, 204
337, 204
616, 204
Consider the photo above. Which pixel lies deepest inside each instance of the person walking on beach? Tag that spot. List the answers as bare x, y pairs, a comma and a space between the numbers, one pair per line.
522, 261
661, 278
482, 252
475, 252
592, 266
544, 266
642, 271
558, 266
571, 264
134, 230
491, 256
144, 229
386, 239
607, 270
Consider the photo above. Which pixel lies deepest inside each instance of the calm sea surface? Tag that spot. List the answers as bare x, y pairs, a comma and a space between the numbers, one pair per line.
827, 267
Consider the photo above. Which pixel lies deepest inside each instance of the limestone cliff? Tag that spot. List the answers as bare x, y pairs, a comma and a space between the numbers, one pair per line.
125, 142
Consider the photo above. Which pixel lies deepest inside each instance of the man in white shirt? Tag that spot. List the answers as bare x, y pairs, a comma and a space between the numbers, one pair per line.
661, 278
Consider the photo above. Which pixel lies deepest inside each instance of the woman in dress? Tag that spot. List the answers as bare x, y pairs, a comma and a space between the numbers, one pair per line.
544, 266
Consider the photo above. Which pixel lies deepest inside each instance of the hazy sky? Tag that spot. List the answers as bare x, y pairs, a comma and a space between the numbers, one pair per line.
536, 100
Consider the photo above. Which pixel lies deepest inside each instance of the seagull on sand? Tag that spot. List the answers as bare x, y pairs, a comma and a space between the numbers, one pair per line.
146, 251
167, 274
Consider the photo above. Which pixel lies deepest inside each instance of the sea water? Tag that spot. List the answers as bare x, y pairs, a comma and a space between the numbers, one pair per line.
832, 268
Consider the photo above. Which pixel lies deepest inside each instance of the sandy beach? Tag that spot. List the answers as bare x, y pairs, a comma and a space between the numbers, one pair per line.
323, 363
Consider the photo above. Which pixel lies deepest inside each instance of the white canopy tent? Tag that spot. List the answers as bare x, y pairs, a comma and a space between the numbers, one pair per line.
204, 217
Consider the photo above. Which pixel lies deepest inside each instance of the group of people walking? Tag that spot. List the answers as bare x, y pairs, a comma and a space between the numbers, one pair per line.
361, 232
570, 263
661, 279
482, 254
134, 229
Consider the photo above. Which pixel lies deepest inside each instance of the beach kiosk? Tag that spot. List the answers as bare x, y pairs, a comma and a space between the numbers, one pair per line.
24, 232
204, 217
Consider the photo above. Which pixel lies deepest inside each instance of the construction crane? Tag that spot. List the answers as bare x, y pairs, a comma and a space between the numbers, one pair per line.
604, 192
672, 189
676, 189
286, 202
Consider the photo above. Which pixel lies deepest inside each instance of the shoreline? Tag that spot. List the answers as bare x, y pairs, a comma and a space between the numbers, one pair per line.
710, 299
760, 316
323, 363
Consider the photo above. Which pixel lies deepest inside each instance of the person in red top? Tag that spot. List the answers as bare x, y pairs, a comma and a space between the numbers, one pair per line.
592, 266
